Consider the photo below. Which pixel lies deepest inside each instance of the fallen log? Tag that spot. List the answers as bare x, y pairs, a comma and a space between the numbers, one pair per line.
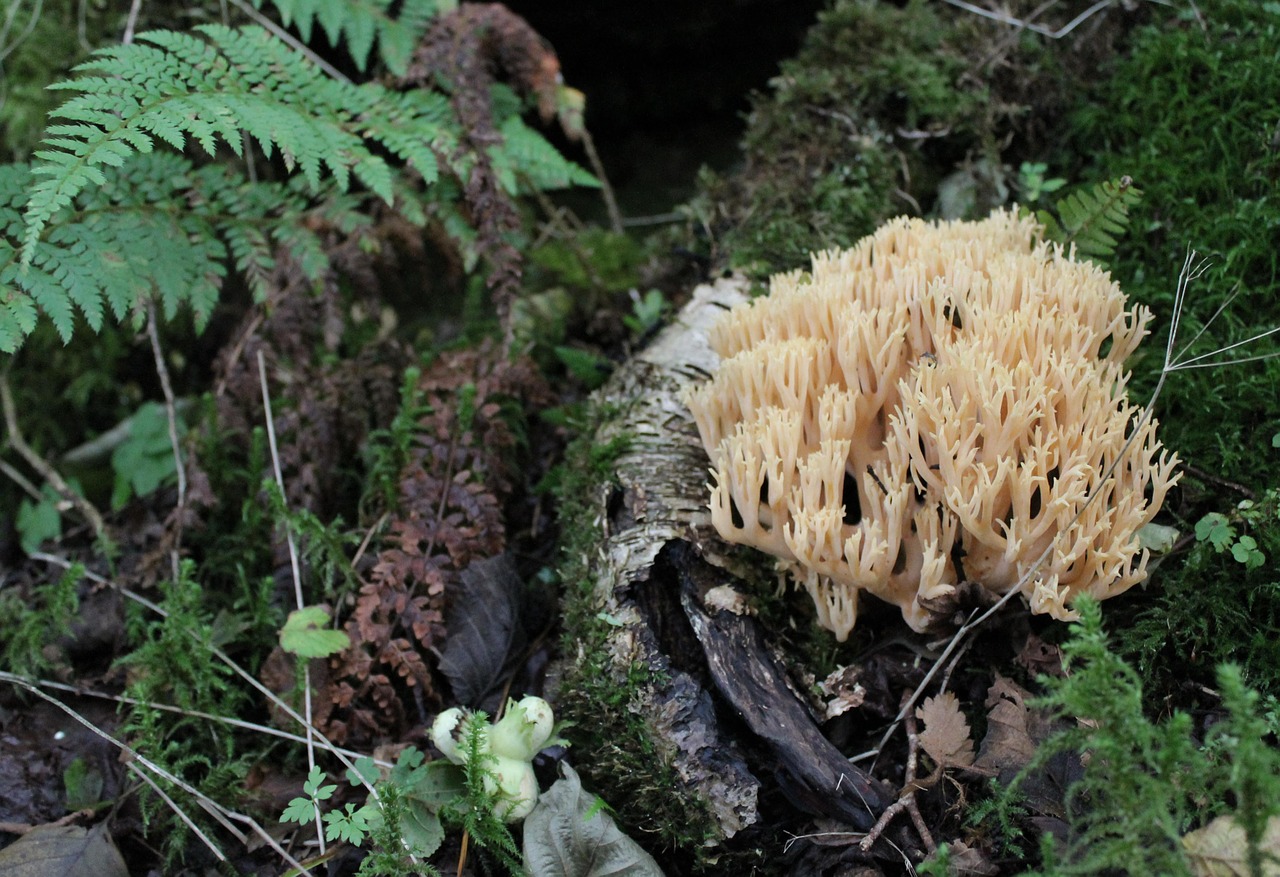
684, 661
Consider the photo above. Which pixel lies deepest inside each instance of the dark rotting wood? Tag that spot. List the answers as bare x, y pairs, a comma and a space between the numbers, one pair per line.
812, 773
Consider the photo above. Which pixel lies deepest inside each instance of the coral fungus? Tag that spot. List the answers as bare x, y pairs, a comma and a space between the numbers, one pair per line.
942, 402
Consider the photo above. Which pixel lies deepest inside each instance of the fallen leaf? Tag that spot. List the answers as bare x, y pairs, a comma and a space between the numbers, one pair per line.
1220, 849
946, 731
1040, 658
569, 834
1008, 745
485, 635
965, 859
1013, 734
63, 851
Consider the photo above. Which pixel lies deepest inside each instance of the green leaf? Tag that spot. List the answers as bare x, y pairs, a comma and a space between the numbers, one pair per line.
364, 771
1093, 219
305, 634
300, 810
145, 459
38, 522
314, 785
568, 835
212, 85
1215, 529
351, 826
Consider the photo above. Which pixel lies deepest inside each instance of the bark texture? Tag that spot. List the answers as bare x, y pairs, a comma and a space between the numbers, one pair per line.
719, 706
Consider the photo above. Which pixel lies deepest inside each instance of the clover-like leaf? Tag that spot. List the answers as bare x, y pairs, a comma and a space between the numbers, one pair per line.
305, 634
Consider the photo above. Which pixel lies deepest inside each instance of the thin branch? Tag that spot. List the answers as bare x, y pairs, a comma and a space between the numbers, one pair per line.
1004, 18
195, 714
292, 41
35, 461
131, 24
178, 811
22, 481
297, 576
606, 190
170, 404
139, 758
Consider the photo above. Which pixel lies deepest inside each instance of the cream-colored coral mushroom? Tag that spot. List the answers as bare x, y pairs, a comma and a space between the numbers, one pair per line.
937, 402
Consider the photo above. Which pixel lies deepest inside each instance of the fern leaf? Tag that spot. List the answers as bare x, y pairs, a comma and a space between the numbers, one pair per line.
101, 257
526, 156
359, 23
170, 85
1093, 219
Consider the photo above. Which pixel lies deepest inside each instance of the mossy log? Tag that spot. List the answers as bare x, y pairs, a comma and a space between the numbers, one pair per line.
713, 700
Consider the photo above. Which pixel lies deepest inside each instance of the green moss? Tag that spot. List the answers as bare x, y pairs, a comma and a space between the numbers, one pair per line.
887, 109
1148, 783
1222, 603
612, 748
1191, 114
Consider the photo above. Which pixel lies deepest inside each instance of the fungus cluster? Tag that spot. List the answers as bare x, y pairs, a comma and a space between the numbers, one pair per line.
935, 405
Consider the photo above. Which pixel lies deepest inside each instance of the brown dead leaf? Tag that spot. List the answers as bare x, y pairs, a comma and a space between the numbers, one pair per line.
1008, 745
965, 859
1220, 849
63, 851
946, 731
1038, 657
1014, 732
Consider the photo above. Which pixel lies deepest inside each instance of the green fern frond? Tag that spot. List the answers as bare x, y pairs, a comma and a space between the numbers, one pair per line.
360, 22
170, 86
100, 256
1092, 219
525, 156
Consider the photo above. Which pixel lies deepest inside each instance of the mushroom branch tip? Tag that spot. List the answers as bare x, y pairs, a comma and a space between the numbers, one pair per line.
943, 402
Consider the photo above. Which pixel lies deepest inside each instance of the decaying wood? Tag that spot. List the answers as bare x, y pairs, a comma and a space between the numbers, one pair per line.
651, 574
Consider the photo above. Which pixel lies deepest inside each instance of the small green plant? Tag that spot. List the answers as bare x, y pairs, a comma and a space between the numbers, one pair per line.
1147, 785
1220, 531
1092, 219
37, 621
144, 460
647, 312
307, 635
1033, 184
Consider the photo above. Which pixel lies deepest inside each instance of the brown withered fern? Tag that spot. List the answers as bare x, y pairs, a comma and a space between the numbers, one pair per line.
470, 48
449, 512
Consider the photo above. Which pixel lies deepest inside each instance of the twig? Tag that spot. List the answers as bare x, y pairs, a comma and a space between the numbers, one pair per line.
297, 576
134, 9
22, 481
171, 412
181, 814
195, 714
35, 461
292, 41
606, 190
1004, 18
907, 798
32, 21
139, 758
